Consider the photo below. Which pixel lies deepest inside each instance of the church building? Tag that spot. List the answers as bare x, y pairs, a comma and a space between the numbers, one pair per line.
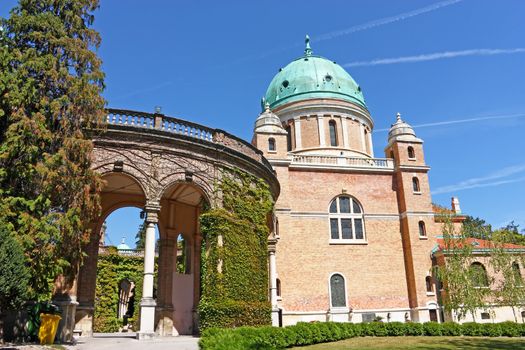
354, 232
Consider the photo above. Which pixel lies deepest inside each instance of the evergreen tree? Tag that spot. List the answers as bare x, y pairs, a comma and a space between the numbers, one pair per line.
14, 275
50, 86
140, 237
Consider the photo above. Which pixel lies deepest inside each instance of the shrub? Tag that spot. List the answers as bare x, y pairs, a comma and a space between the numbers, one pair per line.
414, 329
472, 329
492, 329
450, 329
432, 329
511, 329
396, 329
14, 274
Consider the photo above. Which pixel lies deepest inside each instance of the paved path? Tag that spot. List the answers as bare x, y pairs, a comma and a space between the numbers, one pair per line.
106, 341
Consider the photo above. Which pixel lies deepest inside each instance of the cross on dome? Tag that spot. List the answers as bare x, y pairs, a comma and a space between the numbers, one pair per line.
308, 50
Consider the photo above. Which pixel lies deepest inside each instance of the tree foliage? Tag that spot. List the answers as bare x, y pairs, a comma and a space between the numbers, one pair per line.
464, 284
14, 274
50, 86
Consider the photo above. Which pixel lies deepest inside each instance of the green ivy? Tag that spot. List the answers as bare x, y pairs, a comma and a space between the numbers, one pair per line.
234, 267
111, 269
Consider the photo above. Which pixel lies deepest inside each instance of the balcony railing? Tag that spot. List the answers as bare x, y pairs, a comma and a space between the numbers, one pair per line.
156, 121
343, 161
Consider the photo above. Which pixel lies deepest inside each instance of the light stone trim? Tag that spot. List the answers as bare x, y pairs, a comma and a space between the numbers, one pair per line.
320, 126
297, 128
344, 125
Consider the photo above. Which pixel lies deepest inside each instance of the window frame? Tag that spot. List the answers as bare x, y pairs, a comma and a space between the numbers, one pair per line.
416, 185
411, 153
352, 216
422, 227
333, 124
271, 145
341, 308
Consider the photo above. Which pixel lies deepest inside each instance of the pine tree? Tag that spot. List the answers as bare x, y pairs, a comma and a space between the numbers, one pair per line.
50, 93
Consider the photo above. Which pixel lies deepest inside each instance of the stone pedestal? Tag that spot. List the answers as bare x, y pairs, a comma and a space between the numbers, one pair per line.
67, 323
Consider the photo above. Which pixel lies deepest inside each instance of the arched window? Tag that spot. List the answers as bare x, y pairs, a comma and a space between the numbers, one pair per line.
288, 129
337, 291
411, 153
478, 275
428, 283
415, 184
271, 144
422, 229
346, 220
517, 273
333, 132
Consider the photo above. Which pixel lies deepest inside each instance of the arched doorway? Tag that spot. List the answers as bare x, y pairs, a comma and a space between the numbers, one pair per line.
179, 259
121, 194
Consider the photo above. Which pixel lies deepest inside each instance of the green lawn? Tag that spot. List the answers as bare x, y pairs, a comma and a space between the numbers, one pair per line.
421, 343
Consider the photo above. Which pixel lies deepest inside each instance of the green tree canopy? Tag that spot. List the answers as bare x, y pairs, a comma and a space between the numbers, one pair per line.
50, 90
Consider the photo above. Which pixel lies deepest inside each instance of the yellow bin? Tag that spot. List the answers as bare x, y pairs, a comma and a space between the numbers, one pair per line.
48, 328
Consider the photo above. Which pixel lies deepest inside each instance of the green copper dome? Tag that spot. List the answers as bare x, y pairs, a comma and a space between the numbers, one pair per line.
310, 77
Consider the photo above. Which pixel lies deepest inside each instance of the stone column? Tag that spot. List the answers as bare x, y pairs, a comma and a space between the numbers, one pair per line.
165, 286
273, 281
370, 143
147, 304
297, 127
320, 125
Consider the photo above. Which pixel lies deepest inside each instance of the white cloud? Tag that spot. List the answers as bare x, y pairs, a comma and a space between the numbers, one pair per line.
435, 56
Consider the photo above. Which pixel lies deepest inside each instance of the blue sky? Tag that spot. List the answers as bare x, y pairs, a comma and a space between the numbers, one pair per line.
453, 69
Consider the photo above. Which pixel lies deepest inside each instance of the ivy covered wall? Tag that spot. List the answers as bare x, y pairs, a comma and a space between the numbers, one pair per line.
112, 268
234, 266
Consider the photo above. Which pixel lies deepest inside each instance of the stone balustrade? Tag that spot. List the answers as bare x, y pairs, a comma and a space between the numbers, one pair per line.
157, 121
355, 162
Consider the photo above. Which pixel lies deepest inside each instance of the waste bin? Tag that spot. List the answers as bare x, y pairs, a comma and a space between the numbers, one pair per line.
48, 328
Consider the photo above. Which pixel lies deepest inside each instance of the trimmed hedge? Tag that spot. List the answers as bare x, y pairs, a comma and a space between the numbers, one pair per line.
268, 338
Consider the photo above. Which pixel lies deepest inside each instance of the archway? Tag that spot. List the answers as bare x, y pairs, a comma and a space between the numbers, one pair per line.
179, 259
122, 195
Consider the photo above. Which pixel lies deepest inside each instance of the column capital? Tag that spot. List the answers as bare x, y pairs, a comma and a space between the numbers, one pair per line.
152, 210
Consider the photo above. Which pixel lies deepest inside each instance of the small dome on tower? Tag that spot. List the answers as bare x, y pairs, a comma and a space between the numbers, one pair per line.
267, 122
402, 131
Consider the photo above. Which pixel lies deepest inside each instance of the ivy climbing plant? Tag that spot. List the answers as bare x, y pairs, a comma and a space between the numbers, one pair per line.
112, 268
234, 267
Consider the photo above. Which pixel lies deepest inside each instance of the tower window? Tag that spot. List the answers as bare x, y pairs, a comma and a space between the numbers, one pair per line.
415, 185
422, 229
346, 220
271, 144
278, 285
337, 291
428, 283
288, 138
333, 133
411, 153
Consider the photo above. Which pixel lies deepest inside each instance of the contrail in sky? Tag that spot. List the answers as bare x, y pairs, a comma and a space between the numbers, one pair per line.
357, 28
435, 56
499, 177
383, 21
467, 120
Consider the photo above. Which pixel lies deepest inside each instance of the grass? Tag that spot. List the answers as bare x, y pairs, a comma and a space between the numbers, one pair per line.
421, 343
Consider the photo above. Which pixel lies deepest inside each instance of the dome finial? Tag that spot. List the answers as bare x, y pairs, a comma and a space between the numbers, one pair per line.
308, 49
398, 116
